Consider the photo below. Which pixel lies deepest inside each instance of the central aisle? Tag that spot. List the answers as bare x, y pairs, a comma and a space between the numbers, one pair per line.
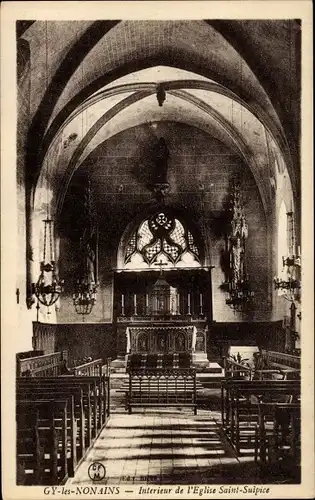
173, 447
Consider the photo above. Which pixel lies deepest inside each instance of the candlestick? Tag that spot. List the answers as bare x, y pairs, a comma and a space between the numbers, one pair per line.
147, 303
201, 304
122, 305
188, 303
135, 304
177, 304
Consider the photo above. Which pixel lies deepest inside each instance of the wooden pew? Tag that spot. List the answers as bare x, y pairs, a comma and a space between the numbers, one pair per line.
241, 403
42, 441
278, 434
244, 409
75, 420
265, 368
42, 366
94, 395
280, 359
87, 398
232, 369
288, 365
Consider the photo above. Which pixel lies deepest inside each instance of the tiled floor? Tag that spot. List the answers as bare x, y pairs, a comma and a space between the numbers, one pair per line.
169, 447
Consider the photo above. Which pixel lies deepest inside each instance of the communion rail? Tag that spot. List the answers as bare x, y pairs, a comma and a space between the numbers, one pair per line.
161, 380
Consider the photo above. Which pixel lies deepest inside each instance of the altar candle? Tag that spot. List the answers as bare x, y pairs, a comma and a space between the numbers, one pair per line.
135, 303
122, 304
188, 302
201, 304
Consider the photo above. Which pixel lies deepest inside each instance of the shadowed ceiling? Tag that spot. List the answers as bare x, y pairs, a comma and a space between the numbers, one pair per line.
237, 81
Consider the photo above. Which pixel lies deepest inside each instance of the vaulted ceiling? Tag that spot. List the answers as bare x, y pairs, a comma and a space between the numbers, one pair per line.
238, 81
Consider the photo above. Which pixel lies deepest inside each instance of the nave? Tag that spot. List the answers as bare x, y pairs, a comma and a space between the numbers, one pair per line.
245, 429
166, 447
157, 321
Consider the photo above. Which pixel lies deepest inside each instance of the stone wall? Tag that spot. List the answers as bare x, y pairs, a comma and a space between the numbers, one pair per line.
199, 174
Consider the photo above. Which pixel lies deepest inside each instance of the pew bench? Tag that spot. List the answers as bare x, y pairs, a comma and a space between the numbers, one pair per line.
43, 442
59, 411
94, 397
240, 409
76, 418
44, 365
278, 433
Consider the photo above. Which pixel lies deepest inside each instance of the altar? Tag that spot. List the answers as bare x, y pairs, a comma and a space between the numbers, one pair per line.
161, 339
163, 313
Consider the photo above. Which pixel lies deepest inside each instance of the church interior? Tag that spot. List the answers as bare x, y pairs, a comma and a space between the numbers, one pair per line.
158, 284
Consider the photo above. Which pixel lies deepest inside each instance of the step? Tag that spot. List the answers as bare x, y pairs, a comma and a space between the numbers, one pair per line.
118, 365
213, 368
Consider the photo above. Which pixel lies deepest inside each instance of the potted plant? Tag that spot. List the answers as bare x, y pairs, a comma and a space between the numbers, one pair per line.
238, 358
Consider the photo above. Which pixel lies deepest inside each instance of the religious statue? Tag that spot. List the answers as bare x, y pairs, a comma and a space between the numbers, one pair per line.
179, 342
143, 343
162, 343
237, 261
200, 343
238, 236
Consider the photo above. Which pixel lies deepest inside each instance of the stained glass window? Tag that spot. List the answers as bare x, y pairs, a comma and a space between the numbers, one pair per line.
162, 238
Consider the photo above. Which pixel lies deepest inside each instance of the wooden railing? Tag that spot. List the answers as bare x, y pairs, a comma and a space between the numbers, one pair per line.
90, 369
233, 369
106, 367
238, 370
41, 366
281, 359
269, 364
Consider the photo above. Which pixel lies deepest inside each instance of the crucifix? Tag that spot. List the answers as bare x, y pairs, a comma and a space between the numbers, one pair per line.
161, 264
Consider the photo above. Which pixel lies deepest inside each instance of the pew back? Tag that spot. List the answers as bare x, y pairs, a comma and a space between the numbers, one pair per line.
87, 410
41, 366
240, 400
42, 441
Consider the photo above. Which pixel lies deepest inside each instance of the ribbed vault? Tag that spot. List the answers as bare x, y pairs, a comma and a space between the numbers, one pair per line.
101, 70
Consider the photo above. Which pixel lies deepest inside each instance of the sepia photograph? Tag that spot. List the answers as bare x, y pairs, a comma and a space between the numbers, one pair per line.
157, 280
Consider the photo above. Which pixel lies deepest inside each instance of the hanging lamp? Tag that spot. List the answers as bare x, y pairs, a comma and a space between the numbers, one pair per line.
289, 282
47, 289
84, 294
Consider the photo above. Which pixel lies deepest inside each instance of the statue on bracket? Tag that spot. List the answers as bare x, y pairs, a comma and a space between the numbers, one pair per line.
236, 281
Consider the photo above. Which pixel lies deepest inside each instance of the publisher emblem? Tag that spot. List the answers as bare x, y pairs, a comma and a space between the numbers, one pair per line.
96, 471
